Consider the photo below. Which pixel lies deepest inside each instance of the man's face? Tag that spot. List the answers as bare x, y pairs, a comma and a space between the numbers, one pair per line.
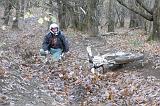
54, 30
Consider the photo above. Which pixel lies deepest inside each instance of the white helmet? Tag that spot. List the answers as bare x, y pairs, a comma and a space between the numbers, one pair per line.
54, 28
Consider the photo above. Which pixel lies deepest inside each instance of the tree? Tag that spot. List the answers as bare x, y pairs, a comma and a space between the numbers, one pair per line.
15, 21
156, 21
111, 17
92, 18
7, 11
135, 19
120, 11
74, 23
62, 13
80, 15
150, 14
22, 7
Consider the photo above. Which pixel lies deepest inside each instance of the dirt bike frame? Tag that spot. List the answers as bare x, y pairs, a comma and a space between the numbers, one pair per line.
112, 59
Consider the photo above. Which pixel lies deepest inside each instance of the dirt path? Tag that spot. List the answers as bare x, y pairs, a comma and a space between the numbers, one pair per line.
29, 81
126, 43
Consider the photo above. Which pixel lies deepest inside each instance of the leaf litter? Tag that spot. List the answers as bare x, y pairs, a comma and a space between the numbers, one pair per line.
27, 80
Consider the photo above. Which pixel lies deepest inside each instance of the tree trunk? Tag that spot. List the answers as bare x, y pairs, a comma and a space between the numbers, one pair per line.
133, 20
82, 24
62, 14
156, 21
133, 16
111, 17
120, 11
153, 15
74, 18
50, 14
28, 4
15, 22
7, 12
122, 17
91, 18
22, 8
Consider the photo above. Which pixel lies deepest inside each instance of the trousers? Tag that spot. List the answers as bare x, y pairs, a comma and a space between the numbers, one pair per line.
56, 53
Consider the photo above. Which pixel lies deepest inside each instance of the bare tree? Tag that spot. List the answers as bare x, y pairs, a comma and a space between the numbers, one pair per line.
74, 16
135, 19
80, 15
22, 7
151, 15
62, 13
120, 11
91, 17
15, 21
111, 16
7, 11
156, 21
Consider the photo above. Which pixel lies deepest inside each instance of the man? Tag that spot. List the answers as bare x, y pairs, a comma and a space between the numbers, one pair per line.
54, 43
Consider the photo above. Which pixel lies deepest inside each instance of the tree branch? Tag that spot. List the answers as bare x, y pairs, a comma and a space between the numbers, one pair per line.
145, 7
146, 16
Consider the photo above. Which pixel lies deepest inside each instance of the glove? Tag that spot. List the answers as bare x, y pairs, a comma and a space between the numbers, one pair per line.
46, 52
62, 54
66, 53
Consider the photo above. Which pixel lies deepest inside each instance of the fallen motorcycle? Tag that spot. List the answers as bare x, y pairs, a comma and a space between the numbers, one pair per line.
112, 60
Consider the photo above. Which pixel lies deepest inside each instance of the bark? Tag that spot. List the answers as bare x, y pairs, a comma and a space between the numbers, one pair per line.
91, 17
140, 2
82, 15
146, 16
22, 7
111, 17
74, 18
62, 13
15, 22
7, 12
50, 15
156, 21
122, 17
153, 16
134, 19
28, 4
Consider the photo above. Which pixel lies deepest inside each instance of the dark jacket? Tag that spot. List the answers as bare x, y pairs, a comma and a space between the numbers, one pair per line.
61, 43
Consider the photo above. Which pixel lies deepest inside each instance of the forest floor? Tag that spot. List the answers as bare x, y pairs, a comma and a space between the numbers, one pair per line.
27, 81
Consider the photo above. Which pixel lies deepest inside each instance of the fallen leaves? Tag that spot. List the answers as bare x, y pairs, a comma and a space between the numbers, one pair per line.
71, 80
2, 71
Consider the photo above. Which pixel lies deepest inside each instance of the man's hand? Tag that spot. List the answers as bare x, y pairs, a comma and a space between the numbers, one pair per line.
46, 52
63, 55
67, 53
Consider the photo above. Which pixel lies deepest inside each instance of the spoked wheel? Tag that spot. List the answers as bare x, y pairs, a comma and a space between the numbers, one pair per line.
129, 58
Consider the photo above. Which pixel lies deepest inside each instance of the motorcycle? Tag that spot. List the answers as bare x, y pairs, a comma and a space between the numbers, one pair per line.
112, 60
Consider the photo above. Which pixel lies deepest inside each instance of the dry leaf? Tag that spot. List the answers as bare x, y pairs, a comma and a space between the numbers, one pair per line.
2, 71
40, 20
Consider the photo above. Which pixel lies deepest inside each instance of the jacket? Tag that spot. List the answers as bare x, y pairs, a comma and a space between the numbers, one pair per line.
61, 43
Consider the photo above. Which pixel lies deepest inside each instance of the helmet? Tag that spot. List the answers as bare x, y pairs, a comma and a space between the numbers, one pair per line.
54, 28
